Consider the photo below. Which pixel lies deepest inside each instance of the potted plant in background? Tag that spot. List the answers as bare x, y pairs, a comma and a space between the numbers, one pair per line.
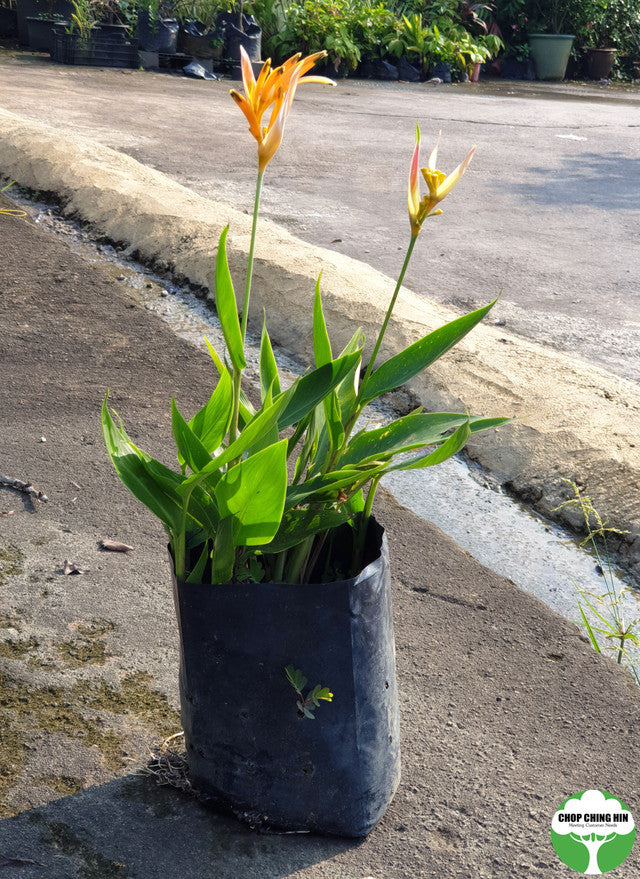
280, 570
157, 28
201, 33
40, 28
83, 42
603, 32
552, 26
8, 20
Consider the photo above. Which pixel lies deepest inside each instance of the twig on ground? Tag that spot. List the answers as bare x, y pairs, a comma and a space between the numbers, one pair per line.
25, 487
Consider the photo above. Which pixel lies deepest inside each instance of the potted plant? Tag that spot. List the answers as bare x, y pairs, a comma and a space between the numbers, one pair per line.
552, 25
157, 28
40, 28
201, 32
280, 570
83, 42
8, 19
603, 32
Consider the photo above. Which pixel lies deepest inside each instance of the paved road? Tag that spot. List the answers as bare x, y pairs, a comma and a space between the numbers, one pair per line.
548, 211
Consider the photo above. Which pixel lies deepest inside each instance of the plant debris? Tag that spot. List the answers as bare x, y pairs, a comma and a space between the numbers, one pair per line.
72, 568
26, 487
115, 546
168, 767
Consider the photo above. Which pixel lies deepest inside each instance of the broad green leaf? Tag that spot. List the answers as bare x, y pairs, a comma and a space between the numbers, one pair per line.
408, 433
211, 423
269, 378
298, 525
156, 490
253, 492
190, 449
251, 434
448, 449
321, 341
408, 363
323, 487
313, 387
227, 306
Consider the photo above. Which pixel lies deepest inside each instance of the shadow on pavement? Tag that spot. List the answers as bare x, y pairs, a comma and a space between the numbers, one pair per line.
134, 828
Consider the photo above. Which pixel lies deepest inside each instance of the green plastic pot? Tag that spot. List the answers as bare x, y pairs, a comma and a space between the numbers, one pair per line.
550, 53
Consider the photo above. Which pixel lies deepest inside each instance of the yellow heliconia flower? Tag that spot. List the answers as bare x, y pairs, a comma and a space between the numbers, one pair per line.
439, 185
274, 90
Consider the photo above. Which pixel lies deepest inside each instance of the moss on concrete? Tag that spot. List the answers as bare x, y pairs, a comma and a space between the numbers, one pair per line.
87, 648
13, 757
18, 649
71, 712
10, 562
66, 785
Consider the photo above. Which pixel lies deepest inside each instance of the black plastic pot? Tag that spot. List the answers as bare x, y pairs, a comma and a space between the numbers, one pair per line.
8, 23
247, 746
441, 71
197, 42
160, 35
62, 9
250, 38
40, 33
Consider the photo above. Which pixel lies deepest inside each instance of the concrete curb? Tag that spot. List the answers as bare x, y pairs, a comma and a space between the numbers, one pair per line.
567, 407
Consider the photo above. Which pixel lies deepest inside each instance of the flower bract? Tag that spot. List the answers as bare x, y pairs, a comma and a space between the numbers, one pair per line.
273, 91
440, 185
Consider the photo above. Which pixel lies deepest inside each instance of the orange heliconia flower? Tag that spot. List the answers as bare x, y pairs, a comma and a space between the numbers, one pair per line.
440, 185
274, 90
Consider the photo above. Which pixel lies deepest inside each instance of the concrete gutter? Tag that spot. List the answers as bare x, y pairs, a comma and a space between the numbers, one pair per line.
575, 421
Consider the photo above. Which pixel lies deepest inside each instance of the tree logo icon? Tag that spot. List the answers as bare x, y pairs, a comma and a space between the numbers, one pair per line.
593, 832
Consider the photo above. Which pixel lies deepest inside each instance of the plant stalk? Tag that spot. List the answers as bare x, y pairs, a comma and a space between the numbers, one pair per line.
387, 316
254, 227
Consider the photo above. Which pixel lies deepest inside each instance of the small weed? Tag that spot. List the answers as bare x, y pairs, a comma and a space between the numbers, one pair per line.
307, 704
608, 630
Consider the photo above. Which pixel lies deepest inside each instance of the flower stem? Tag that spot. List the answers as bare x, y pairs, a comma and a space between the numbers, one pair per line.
254, 227
387, 316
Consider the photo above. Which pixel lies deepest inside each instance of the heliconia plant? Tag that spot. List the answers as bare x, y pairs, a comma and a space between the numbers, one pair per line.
259, 492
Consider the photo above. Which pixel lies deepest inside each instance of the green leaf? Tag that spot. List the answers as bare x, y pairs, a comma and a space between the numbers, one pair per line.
155, 487
324, 487
227, 306
211, 423
252, 433
295, 678
299, 524
196, 574
411, 432
190, 449
252, 493
321, 341
269, 378
408, 363
448, 449
313, 387
223, 557
322, 693
217, 360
